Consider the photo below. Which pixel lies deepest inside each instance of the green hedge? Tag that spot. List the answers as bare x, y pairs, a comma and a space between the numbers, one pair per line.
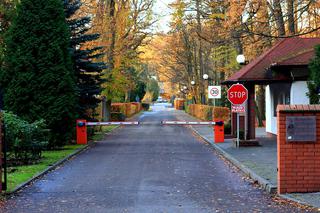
25, 141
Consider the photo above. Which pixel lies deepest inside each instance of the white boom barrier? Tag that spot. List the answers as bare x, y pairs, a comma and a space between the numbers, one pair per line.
124, 123
188, 123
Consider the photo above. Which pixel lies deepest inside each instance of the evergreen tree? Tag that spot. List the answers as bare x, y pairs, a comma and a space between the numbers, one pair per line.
38, 78
314, 85
86, 61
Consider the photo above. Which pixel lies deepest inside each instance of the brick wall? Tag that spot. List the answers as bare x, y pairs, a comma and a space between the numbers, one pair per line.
298, 162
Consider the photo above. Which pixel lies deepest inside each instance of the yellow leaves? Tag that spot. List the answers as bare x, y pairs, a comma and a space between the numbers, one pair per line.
217, 16
116, 85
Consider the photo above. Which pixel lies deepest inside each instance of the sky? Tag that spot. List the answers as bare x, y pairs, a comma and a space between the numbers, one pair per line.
163, 12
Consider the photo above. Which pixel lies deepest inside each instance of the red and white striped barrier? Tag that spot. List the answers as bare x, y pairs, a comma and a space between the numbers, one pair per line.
123, 123
190, 123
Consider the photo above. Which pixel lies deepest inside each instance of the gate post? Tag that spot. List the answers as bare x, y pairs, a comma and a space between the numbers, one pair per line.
218, 130
298, 148
82, 132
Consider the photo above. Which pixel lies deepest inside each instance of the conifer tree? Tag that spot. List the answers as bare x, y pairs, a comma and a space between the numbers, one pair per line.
38, 77
86, 60
314, 85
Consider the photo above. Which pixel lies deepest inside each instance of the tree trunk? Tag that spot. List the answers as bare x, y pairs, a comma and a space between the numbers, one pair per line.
113, 33
237, 41
127, 97
278, 15
291, 22
111, 51
199, 29
108, 110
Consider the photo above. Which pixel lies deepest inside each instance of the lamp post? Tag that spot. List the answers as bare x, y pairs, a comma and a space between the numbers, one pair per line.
193, 83
209, 81
241, 59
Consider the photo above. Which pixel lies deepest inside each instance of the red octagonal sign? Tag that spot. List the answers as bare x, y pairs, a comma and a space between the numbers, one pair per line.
237, 94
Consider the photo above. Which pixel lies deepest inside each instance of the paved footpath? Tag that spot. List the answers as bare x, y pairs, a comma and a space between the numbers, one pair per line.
150, 168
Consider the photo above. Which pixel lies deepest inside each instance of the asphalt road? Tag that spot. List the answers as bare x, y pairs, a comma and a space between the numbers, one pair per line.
150, 168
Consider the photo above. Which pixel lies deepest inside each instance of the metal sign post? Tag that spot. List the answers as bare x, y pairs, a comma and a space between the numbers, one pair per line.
238, 130
238, 109
214, 92
237, 94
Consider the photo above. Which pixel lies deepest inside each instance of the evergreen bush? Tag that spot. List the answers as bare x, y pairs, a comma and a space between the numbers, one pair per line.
314, 85
38, 77
25, 141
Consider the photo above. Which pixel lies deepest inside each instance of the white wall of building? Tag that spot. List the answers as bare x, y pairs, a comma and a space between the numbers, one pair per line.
298, 95
269, 116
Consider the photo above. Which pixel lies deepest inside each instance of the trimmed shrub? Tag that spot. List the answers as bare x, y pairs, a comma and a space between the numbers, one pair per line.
179, 104
127, 109
205, 112
117, 116
222, 113
25, 141
145, 106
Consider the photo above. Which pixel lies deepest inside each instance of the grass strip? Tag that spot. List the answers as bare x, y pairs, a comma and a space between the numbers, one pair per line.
101, 131
20, 174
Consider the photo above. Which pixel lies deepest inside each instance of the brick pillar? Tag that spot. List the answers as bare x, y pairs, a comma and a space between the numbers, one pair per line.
251, 114
298, 161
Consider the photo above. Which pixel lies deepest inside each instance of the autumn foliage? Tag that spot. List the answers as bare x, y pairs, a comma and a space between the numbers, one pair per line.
128, 109
207, 113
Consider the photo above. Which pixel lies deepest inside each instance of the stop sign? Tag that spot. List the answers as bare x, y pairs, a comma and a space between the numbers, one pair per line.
237, 94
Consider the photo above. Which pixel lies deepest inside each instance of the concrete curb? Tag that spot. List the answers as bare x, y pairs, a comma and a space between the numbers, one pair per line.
266, 185
49, 169
288, 197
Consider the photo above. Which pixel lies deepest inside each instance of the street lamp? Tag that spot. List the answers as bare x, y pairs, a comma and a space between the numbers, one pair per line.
205, 76
193, 83
185, 88
241, 59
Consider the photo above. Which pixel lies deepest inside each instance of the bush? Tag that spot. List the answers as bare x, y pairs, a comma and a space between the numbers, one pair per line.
25, 141
145, 106
222, 113
179, 104
227, 128
38, 79
128, 109
117, 116
205, 112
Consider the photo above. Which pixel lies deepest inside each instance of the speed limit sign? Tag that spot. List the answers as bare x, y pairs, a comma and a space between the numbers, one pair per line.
214, 92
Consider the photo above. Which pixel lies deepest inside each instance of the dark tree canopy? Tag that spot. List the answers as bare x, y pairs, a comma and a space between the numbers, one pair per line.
86, 66
314, 85
38, 76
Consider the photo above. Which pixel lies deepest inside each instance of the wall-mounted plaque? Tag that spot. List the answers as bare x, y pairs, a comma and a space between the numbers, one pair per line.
301, 128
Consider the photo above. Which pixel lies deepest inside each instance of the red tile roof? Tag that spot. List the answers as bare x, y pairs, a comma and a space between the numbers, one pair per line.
288, 51
301, 58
